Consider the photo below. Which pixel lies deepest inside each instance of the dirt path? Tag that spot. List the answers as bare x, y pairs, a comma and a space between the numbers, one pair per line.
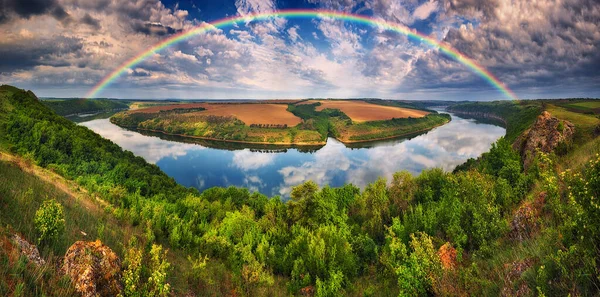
79, 194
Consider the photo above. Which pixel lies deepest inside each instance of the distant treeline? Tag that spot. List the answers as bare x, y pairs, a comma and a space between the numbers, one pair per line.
272, 126
80, 106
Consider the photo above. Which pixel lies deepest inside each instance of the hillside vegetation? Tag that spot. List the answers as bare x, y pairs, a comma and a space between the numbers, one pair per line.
488, 230
82, 106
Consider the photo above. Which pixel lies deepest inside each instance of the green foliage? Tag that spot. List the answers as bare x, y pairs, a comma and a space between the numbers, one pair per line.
157, 282
516, 115
421, 267
324, 240
49, 221
132, 273
79, 106
573, 268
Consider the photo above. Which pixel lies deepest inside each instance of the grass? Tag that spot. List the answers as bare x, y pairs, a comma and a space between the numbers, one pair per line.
587, 104
25, 186
586, 142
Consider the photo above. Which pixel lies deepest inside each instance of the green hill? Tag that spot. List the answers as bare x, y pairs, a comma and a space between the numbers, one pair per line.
492, 229
69, 107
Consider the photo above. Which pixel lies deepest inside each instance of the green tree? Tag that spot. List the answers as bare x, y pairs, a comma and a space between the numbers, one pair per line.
373, 208
49, 221
157, 282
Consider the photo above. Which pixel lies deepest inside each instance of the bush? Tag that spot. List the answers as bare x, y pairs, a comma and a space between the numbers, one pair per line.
49, 221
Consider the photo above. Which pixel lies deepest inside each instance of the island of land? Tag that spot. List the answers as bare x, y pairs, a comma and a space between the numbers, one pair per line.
283, 122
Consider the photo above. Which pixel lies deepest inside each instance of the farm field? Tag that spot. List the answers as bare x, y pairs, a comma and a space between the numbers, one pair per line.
586, 106
361, 111
262, 114
275, 122
249, 113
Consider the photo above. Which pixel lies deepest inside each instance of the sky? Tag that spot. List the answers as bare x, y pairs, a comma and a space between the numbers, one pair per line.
538, 49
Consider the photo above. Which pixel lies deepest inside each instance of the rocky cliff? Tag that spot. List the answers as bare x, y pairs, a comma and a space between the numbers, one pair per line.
545, 135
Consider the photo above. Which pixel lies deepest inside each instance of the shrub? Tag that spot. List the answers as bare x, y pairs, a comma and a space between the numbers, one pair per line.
49, 221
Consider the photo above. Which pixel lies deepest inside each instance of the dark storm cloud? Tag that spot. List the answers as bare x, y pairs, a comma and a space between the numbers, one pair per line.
154, 29
29, 8
90, 21
28, 54
469, 7
533, 44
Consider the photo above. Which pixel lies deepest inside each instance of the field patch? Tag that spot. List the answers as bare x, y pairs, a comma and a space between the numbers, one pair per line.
249, 113
257, 114
361, 111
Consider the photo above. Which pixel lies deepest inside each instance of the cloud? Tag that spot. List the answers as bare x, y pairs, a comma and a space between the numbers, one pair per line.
90, 21
425, 10
30, 8
536, 48
153, 149
154, 29
531, 39
245, 7
248, 160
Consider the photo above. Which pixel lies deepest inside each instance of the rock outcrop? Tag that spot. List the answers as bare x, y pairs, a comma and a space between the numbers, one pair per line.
94, 269
28, 250
546, 134
524, 222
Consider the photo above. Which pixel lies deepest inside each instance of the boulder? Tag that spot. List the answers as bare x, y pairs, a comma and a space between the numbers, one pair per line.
544, 135
28, 250
524, 222
94, 269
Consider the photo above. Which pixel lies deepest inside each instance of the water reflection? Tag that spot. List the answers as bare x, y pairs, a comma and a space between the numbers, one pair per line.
275, 172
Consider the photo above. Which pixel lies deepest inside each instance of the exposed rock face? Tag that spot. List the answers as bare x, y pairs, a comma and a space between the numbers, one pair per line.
524, 223
94, 269
28, 250
546, 134
514, 286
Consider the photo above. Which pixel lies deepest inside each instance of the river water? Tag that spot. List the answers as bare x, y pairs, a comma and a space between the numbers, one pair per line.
274, 172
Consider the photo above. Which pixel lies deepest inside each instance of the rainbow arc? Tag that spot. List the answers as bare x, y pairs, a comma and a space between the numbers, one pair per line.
291, 14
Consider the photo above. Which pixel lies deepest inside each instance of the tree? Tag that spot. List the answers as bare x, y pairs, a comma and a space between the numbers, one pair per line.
157, 282
373, 208
49, 221
401, 192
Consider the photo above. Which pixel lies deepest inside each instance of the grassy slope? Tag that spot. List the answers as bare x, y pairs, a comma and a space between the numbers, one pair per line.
77, 106
25, 186
518, 115
586, 145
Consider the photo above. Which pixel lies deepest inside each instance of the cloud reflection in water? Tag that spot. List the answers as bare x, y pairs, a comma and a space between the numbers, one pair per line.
334, 164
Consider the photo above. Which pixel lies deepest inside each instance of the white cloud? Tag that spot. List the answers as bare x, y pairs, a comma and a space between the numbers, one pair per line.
425, 10
248, 160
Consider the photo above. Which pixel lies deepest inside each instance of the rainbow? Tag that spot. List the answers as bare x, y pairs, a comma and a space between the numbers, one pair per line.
296, 13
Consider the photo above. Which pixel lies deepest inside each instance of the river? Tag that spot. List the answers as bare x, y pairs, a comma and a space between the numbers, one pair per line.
275, 172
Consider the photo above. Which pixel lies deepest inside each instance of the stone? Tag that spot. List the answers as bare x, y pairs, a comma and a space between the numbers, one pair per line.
544, 135
28, 250
94, 269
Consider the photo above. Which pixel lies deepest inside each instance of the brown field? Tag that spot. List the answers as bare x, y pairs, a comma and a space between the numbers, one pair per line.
157, 108
249, 113
360, 111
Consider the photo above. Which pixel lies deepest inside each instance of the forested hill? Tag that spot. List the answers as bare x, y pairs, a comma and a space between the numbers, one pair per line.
69, 107
490, 230
516, 116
